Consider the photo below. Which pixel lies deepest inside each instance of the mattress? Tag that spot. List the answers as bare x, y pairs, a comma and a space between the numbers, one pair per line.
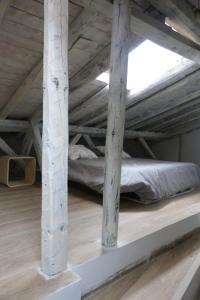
150, 180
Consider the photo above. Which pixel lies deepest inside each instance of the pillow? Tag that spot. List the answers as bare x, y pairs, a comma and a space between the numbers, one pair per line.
102, 150
79, 152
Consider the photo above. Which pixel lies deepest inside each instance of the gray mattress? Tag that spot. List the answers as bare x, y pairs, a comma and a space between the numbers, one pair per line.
150, 180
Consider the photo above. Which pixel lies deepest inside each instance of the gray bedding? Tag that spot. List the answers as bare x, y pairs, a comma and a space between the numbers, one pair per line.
150, 180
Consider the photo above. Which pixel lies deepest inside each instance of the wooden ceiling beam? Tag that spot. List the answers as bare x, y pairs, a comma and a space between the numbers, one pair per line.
181, 16
98, 116
173, 113
149, 28
4, 4
14, 126
169, 98
164, 36
22, 91
180, 118
75, 31
101, 133
99, 64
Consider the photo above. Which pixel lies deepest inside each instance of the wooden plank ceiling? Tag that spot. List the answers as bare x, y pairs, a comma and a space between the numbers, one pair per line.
174, 99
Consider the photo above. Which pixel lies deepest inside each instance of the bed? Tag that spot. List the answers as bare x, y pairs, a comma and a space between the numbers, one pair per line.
150, 180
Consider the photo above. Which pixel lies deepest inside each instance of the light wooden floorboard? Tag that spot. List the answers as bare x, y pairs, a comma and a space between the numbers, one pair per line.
20, 210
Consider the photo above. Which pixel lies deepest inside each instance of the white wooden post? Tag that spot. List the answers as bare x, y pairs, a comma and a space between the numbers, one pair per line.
116, 119
55, 138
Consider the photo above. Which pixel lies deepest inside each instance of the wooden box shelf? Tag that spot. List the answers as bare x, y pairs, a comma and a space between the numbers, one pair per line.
28, 163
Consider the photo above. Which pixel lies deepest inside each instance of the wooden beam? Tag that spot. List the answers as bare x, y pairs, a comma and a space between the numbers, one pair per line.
13, 126
181, 15
90, 71
185, 127
89, 106
81, 23
128, 134
181, 92
22, 91
182, 119
76, 29
4, 4
9, 151
91, 145
164, 36
37, 115
99, 64
6, 148
55, 138
174, 115
116, 120
91, 131
147, 148
149, 28
75, 139
134, 97
27, 143
37, 143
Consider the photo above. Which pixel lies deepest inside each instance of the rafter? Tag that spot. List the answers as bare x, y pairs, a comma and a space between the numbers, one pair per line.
98, 116
22, 91
181, 92
13, 126
164, 36
37, 143
6, 148
4, 4
149, 28
101, 132
181, 16
99, 64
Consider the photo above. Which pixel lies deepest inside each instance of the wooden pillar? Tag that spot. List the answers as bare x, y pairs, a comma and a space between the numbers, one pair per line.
55, 138
116, 119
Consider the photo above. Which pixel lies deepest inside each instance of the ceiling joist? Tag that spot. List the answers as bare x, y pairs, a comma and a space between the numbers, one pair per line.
181, 16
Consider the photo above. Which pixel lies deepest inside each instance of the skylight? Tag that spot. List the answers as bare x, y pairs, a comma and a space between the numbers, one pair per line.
147, 64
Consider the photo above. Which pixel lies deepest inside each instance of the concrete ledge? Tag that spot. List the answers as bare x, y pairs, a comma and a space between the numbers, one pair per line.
97, 271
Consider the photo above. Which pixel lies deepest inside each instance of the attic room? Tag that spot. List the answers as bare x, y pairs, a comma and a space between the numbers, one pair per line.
99, 149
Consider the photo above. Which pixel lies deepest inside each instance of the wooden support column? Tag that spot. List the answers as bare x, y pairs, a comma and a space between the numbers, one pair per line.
55, 138
116, 119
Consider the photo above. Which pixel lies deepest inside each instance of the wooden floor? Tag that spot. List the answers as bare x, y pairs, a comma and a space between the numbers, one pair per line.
20, 210
157, 280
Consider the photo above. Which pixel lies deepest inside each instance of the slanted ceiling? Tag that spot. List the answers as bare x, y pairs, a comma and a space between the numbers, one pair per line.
171, 101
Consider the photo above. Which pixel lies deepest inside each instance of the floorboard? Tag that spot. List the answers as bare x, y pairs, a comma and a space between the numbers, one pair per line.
20, 212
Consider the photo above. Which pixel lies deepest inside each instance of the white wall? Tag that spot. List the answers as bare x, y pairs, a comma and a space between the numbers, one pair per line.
185, 147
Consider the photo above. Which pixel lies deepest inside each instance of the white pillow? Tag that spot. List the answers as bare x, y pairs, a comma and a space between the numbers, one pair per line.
79, 152
102, 150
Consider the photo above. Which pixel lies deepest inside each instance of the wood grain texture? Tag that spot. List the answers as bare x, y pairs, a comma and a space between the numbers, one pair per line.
164, 36
20, 211
182, 16
55, 138
156, 280
22, 91
116, 120
30, 284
